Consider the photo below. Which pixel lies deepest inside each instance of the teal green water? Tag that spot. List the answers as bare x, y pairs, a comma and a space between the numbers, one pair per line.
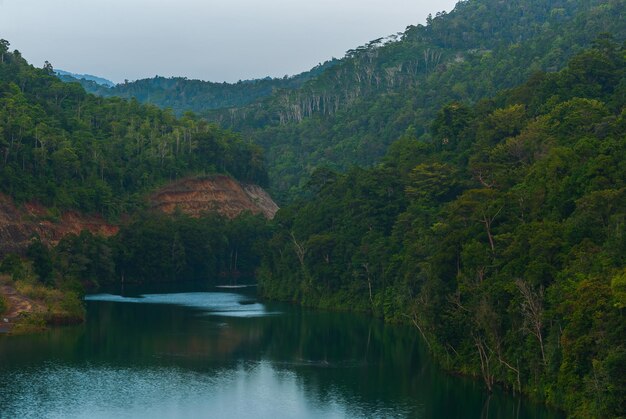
223, 354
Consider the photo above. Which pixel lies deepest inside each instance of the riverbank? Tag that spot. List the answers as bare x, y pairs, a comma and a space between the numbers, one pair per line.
229, 354
437, 352
31, 308
17, 307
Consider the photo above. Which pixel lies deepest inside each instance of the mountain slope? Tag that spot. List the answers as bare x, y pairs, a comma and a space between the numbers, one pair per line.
181, 94
349, 111
71, 150
352, 112
79, 173
500, 237
19, 224
220, 194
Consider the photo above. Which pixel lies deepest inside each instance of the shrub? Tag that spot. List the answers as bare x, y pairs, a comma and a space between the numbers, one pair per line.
4, 306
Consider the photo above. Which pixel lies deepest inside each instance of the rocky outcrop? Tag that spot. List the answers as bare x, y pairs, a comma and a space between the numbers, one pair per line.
219, 193
18, 225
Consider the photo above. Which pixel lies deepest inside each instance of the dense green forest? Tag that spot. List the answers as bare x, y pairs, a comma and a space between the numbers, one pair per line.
347, 112
500, 236
70, 149
181, 94
152, 247
353, 111
490, 217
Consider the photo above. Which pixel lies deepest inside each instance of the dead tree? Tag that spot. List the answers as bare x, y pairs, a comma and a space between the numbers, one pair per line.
299, 248
485, 362
532, 311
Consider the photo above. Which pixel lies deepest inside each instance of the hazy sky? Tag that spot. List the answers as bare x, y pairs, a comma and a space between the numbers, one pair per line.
224, 40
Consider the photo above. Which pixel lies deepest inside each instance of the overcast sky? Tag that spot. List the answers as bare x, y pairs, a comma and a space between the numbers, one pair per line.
224, 40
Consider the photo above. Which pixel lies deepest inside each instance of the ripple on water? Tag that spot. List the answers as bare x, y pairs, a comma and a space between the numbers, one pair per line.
252, 389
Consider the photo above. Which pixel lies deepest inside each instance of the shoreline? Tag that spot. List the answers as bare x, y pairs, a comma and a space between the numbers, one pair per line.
27, 314
528, 395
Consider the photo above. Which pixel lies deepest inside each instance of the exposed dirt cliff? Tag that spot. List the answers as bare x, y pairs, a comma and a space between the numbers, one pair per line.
19, 224
217, 193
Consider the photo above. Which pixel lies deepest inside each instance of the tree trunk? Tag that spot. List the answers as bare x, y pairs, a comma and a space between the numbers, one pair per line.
532, 311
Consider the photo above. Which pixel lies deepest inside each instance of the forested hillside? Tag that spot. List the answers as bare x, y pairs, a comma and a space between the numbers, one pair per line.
181, 94
351, 112
71, 150
489, 211
499, 236
64, 149
347, 112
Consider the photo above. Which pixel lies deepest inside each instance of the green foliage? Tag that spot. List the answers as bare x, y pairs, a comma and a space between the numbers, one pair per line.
30, 323
351, 112
40, 255
84, 259
495, 227
68, 309
618, 289
13, 265
156, 247
4, 305
70, 150
189, 249
182, 95
499, 235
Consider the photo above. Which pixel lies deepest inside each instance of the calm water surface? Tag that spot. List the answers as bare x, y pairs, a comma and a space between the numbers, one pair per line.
219, 353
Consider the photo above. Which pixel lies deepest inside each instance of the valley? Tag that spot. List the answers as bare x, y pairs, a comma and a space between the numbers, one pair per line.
461, 182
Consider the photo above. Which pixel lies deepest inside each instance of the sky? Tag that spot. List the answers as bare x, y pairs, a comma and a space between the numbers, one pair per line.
226, 40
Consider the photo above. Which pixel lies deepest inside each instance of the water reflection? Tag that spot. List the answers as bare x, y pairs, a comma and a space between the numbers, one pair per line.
213, 303
164, 355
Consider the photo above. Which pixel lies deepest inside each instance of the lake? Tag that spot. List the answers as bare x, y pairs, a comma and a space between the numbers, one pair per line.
221, 353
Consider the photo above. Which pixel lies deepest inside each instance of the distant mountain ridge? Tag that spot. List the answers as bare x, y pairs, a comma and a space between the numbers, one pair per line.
68, 76
182, 94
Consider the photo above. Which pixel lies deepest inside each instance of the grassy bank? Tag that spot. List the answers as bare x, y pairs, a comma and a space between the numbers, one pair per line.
29, 307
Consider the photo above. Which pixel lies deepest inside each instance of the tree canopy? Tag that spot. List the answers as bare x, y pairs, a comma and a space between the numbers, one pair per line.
499, 235
72, 150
